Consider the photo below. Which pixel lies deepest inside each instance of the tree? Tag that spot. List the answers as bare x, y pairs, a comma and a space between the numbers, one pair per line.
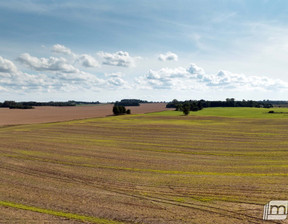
117, 110
186, 110
128, 111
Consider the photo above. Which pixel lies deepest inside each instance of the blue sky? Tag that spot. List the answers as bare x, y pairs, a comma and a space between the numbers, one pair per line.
152, 50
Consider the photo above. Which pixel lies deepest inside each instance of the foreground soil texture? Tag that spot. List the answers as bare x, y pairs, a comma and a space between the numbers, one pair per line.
55, 114
160, 168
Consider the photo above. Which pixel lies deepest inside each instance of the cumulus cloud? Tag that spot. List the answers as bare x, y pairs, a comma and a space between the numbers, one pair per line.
117, 82
115, 79
7, 66
68, 73
87, 61
119, 58
61, 49
56, 74
84, 60
194, 77
169, 56
166, 78
47, 64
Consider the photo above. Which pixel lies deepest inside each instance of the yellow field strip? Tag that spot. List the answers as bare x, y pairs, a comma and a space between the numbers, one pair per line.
60, 214
148, 170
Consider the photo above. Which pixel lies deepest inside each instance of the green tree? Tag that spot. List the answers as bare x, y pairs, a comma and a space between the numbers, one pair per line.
186, 110
116, 110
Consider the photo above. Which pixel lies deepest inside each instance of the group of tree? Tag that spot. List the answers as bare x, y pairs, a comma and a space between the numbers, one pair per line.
195, 105
120, 110
186, 106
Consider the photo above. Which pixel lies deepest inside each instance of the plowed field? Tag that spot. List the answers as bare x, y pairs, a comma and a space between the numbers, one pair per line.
159, 168
55, 114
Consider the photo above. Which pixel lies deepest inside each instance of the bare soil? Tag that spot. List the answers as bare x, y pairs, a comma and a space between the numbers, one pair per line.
46, 114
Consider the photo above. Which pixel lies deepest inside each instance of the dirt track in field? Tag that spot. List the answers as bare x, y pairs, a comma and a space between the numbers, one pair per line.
47, 114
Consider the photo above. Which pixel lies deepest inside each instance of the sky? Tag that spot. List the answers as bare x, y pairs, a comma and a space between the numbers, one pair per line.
97, 50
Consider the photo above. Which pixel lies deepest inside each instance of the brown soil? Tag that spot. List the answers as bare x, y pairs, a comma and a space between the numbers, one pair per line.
47, 114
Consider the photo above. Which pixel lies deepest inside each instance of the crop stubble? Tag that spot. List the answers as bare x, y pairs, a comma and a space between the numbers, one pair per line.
145, 169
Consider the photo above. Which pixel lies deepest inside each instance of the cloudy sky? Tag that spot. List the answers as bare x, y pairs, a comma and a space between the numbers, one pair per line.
152, 50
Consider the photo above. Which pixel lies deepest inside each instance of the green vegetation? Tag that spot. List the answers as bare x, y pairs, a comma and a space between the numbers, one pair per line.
119, 110
14, 105
196, 105
186, 106
31, 104
243, 112
186, 109
58, 213
128, 102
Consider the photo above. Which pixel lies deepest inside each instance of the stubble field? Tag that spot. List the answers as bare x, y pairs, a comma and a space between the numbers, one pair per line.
214, 166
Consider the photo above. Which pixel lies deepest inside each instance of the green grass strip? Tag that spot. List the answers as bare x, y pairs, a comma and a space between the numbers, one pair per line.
60, 214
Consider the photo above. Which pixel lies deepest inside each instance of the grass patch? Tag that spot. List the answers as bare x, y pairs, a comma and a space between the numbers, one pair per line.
240, 112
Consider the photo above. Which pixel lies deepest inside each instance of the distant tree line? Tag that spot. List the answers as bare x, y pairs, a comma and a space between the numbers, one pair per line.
130, 102
195, 105
15, 105
277, 103
32, 104
51, 103
83, 102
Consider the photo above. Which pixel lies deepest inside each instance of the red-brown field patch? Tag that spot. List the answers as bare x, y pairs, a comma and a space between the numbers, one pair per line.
47, 114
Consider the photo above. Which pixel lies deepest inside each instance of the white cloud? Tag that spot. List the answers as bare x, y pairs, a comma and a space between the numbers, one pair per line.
47, 64
87, 61
115, 80
55, 74
61, 49
195, 78
119, 58
169, 56
66, 74
84, 60
166, 78
7, 66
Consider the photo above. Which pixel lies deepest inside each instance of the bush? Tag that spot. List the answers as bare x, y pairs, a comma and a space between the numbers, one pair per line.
128, 111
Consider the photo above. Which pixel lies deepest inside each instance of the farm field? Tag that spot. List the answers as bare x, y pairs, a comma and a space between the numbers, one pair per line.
45, 114
218, 165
